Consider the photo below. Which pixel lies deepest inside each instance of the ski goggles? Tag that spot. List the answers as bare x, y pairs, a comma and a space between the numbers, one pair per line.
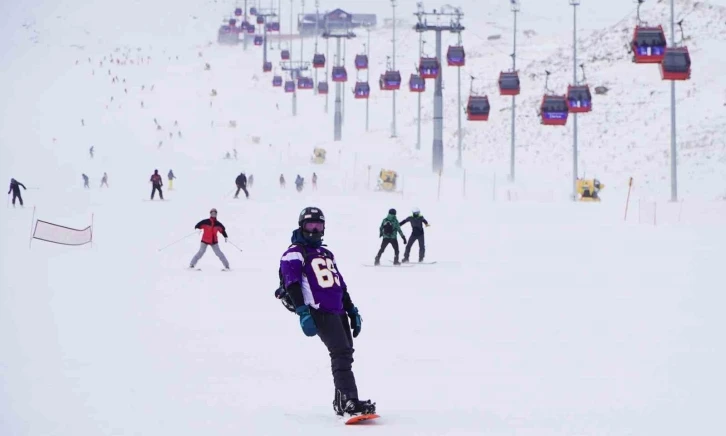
314, 227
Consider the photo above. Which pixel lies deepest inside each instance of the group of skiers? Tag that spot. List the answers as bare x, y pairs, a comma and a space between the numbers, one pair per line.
300, 182
86, 181
389, 230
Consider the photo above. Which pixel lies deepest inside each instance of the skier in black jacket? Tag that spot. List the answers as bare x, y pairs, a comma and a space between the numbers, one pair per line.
417, 222
241, 182
15, 189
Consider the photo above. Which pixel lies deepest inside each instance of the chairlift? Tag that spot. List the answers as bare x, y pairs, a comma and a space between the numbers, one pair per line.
455, 56
277, 81
428, 68
509, 83
339, 74
390, 80
676, 64
289, 86
361, 62
318, 60
416, 83
305, 82
322, 88
267, 66
362, 90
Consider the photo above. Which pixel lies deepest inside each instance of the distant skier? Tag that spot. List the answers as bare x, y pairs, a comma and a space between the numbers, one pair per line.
282, 180
85, 181
235, 154
91, 151
312, 287
241, 182
15, 189
315, 182
227, 156
251, 180
417, 222
299, 183
210, 227
156, 184
104, 180
389, 231
171, 178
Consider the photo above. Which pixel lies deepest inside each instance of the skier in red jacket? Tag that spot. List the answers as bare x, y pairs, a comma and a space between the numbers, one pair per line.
156, 184
210, 227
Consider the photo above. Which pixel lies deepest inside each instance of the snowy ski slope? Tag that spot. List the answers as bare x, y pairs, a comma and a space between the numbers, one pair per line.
541, 317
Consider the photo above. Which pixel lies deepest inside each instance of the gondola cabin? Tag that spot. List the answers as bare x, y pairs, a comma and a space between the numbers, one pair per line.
249, 27
361, 62
305, 82
267, 66
390, 81
509, 83
416, 83
339, 74
227, 36
237, 12
554, 111
260, 19
579, 99
362, 90
289, 86
277, 81
318, 60
285, 55
428, 68
648, 45
253, 10
477, 109
273, 26
676, 64
455, 56
232, 22
322, 88
258, 40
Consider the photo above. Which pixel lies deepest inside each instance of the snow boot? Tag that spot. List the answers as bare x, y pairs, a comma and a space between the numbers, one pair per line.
349, 407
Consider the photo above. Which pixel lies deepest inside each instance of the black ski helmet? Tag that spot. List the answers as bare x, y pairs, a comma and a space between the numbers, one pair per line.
392, 211
311, 214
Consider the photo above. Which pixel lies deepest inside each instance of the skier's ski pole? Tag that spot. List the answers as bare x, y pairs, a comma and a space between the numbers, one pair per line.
178, 240
234, 245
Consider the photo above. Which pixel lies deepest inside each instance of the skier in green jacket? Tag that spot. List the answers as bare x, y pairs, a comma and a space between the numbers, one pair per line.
389, 231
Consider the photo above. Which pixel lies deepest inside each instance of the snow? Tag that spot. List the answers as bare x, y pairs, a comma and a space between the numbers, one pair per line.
541, 317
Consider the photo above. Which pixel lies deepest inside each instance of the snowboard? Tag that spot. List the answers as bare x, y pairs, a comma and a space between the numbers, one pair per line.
199, 269
361, 418
391, 265
419, 263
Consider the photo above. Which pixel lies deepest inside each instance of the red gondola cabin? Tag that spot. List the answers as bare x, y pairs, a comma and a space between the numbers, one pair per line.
676, 64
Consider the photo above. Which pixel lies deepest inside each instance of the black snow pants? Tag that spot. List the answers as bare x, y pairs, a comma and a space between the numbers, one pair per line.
384, 243
241, 188
334, 331
16, 194
154, 189
421, 247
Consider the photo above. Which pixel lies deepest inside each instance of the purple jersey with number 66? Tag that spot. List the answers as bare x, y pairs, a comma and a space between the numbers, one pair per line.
321, 283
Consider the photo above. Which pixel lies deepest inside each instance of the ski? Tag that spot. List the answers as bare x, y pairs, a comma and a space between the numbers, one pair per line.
361, 418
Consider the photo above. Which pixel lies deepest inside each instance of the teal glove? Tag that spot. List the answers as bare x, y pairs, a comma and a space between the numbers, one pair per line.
355, 321
306, 321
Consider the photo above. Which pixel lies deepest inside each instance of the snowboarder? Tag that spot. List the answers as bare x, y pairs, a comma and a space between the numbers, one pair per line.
104, 180
312, 287
417, 222
282, 180
241, 182
156, 184
315, 182
210, 227
299, 183
389, 231
171, 178
15, 189
91, 151
85, 181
